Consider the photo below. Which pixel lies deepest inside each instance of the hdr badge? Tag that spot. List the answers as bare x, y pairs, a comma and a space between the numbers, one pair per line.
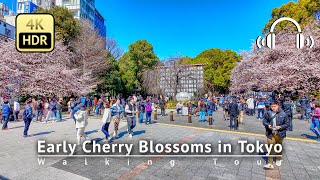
35, 33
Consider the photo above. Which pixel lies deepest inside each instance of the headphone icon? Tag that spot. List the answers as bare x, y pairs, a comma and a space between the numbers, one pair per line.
270, 41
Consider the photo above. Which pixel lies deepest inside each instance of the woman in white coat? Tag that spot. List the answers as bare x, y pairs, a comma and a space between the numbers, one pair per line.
81, 117
106, 119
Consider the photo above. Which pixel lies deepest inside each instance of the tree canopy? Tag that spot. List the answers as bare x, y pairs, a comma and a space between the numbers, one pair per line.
303, 12
66, 26
133, 63
218, 69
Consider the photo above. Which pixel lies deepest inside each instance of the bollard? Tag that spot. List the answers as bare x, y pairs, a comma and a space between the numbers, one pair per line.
171, 115
210, 120
155, 115
189, 118
138, 114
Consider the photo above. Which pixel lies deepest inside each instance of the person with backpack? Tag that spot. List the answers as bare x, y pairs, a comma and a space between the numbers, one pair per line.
276, 123
211, 108
27, 117
6, 112
131, 111
233, 111
287, 108
148, 112
39, 110
142, 109
261, 106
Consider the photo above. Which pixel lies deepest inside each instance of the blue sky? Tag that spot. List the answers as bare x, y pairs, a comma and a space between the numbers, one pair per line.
186, 27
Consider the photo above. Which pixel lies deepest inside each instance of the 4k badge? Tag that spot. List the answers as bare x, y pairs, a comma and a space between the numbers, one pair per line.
35, 33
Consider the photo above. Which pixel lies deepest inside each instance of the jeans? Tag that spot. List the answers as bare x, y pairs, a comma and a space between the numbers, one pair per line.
315, 124
39, 113
141, 117
5, 120
148, 117
304, 112
290, 128
163, 112
210, 113
233, 122
308, 113
97, 110
260, 111
59, 116
27, 123
15, 115
202, 116
131, 124
49, 115
179, 110
105, 129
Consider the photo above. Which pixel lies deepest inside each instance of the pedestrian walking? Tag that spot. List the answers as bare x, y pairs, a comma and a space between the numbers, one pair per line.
287, 107
27, 117
250, 105
303, 101
142, 109
39, 110
203, 111
261, 106
148, 111
106, 120
276, 123
211, 108
81, 117
131, 111
6, 112
233, 111
315, 123
16, 110
116, 111
241, 106
59, 110
162, 105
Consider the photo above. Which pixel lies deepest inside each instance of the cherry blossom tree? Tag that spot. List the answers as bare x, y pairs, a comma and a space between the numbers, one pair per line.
90, 57
285, 68
38, 74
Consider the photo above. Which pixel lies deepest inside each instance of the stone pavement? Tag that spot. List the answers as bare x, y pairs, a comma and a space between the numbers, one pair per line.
18, 157
251, 124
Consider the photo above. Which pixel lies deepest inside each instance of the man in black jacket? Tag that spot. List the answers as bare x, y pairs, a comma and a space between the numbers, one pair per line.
233, 111
276, 123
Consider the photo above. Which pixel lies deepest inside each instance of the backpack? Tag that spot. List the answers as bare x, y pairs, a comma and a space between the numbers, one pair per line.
148, 107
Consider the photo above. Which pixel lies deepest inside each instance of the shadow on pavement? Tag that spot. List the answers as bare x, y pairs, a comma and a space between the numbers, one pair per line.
42, 133
309, 137
97, 139
3, 178
15, 128
91, 132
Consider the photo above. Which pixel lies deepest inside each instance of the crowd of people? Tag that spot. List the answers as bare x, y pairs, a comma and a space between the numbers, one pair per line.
112, 109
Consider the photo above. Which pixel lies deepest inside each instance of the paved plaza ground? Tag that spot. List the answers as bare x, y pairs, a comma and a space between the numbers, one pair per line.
18, 155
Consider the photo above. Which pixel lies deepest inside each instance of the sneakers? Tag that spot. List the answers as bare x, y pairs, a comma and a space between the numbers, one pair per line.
278, 162
44, 122
130, 136
268, 166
